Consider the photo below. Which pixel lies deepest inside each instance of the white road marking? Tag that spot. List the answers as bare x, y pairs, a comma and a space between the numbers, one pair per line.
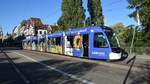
57, 70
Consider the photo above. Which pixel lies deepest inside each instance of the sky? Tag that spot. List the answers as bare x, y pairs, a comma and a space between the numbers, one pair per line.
12, 12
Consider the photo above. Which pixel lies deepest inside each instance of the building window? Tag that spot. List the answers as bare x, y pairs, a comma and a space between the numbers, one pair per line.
40, 32
44, 32
100, 41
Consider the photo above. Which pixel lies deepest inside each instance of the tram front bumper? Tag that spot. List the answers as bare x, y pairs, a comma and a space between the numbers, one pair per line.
114, 56
118, 53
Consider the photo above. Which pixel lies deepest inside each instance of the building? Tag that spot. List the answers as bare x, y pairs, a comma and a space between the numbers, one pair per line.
34, 26
31, 27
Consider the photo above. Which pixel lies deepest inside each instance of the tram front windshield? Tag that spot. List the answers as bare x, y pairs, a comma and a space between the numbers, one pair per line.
114, 43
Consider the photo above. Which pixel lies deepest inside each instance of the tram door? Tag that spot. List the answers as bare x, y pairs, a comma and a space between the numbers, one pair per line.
86, 45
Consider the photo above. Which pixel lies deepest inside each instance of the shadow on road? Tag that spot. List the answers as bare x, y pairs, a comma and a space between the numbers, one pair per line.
39, 74
143, 76
12, 48
7, 72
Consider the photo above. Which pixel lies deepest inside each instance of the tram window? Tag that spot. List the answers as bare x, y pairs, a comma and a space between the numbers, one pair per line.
100, 41
52, 41
49, 42
70, 41
57, 40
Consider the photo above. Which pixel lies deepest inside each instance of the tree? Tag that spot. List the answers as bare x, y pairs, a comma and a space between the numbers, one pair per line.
144, 12
125, 35
118, 27
72, 14
95, 10
119, 30
55, 28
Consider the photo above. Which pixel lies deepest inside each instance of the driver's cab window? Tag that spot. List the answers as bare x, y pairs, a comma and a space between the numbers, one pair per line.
100, 40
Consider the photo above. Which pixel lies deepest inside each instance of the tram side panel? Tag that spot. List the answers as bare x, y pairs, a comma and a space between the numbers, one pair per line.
28, 45
78, 46
73, 45
44, 46
34, 47
41, 46
89, 42
98, 46
55, 45
68, 45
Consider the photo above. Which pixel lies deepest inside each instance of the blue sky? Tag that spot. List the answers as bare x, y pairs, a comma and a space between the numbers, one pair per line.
12, 12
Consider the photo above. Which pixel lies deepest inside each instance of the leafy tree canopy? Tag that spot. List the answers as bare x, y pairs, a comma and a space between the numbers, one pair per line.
95, 11
72, 14
144, 14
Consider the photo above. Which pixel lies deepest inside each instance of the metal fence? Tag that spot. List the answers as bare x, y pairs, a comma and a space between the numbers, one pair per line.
139, 50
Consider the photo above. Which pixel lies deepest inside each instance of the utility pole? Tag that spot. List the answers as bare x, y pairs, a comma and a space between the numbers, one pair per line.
134, 31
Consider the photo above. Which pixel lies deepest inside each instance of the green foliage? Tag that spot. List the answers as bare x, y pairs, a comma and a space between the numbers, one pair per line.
95, 10
125, 34
55, 28
72, 14
88, 21
118, 27
144, 12
120, 31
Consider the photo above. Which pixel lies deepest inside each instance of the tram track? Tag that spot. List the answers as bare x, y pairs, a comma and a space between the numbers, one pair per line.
20, 74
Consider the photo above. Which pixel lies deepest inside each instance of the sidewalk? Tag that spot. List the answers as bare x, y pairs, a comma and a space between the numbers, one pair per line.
143, 56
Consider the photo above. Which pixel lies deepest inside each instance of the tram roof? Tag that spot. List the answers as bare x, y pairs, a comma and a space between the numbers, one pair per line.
41, 37
34, 37
24, 40
55, 34
27, 39
83, 30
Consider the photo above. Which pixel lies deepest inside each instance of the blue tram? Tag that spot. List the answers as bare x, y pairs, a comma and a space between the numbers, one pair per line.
90, 42
55, 43
34, 42
27, 43
42, 43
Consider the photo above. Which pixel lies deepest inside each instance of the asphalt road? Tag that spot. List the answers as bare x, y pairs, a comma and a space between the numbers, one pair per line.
8, 75
43, 68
